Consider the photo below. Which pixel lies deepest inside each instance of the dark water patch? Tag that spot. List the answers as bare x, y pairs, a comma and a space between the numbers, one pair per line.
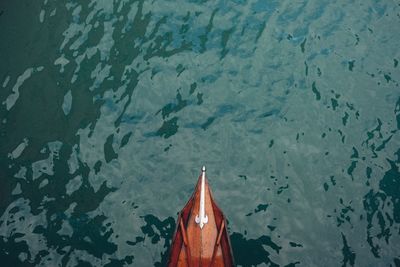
384, 142
7, 184
397, 113
179, 69
199, 98
357, 39
334, 103
374, 133
294, 244
355, 154
109, 153
173, 107
251, 252
96, 242
204, 37
54, 195
387, 77
260, 31
97, 167
349, 256
383, 206
35, 121
390, 184
315, 91
11, 251
244, 177
125, 139
123, 262
271, 143
345, 118
158, 230
326, 187
169, 128
96, 197
293, 264
333, 181
269, 113
344, 213
138, 239
83, 263
368, 172
342, 135
306, 71
224, 41
351, 64
298, 136
260, 207
209, 121
282, 188
302, 45
371, 203
163, 47
193, 87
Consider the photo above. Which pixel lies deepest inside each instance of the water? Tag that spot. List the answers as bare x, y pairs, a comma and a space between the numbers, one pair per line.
110, 108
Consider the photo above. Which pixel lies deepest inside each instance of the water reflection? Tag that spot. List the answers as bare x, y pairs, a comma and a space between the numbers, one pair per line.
109, 108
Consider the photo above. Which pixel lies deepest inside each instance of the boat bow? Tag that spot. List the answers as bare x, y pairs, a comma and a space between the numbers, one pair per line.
202, 218
201, 237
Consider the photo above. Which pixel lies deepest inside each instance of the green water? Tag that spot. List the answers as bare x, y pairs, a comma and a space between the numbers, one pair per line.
110, 108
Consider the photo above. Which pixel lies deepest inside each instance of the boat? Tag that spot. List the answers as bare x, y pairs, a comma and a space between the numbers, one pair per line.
201, 237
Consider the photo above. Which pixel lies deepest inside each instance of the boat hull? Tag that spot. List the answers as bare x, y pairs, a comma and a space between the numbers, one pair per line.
196, 244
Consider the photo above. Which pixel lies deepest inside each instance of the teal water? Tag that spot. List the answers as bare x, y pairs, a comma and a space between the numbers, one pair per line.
110, 108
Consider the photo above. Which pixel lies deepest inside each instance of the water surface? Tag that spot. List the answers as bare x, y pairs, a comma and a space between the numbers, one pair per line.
110, 108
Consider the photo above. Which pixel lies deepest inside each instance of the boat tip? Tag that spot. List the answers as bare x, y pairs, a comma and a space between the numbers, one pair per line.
203, 169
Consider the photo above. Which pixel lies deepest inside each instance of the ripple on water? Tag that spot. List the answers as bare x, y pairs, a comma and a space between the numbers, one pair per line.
110, 107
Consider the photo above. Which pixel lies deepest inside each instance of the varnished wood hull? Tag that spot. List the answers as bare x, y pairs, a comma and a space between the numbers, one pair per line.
195, 246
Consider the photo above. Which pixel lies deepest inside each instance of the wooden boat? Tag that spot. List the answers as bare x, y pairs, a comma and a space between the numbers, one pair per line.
201, 237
